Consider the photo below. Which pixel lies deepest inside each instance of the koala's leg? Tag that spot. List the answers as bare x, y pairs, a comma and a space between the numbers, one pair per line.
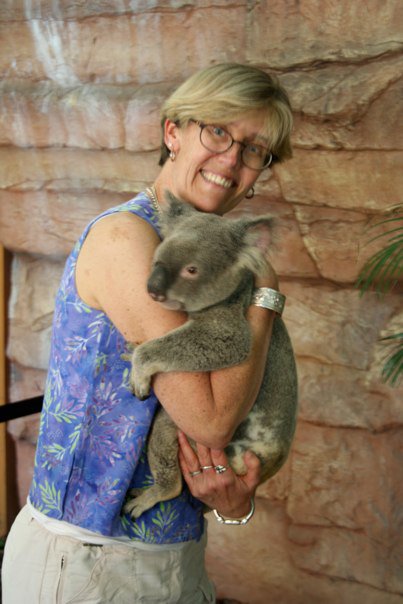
162, 451
271, 455
269, 428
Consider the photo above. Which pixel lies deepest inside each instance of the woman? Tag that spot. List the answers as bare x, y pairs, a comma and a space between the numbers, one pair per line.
72, 542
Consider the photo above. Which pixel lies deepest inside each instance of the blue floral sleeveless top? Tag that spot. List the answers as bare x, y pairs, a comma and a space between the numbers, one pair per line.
93, 430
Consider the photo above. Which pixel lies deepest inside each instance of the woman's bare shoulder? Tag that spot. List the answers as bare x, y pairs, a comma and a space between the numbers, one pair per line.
120, 229
113, 265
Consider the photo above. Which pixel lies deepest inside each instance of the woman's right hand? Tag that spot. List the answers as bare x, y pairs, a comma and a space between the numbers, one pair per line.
230, 494
268, 278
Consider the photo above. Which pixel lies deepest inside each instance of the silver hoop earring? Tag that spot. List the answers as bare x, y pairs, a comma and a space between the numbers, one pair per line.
250, 193
172, 155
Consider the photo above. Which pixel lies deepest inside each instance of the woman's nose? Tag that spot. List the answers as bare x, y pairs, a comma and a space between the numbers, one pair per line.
232, 157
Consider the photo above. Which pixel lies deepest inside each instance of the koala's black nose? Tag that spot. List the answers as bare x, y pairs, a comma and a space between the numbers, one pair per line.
158, 283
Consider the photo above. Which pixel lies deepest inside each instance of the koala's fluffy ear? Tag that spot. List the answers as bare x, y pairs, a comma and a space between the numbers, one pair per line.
257, 237
259, 232
174, 210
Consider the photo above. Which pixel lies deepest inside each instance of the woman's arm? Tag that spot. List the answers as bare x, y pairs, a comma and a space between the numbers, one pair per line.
112, 272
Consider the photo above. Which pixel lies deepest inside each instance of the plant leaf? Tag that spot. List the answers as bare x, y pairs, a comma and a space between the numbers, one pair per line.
382, 272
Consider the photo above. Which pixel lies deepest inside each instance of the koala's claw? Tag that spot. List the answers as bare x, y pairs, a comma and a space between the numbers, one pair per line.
143, 502
128, 354
141, 386
133, 505
130, 508
141, 396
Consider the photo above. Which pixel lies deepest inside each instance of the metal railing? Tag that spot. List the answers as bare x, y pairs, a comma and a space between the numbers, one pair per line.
28, 406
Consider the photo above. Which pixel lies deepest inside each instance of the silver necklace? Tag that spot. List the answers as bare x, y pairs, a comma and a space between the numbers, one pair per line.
152, 195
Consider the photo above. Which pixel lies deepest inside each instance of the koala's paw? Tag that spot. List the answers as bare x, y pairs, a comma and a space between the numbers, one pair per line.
134, 509
128, 354
130, 508
140, 384
238, 465
140, 504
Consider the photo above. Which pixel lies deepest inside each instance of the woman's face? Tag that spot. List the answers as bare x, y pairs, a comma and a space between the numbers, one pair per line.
213, 182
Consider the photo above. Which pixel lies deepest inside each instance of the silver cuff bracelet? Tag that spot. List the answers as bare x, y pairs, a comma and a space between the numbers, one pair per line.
268, 298
236, 521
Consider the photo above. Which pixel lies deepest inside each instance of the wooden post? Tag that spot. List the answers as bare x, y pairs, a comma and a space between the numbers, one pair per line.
3, 465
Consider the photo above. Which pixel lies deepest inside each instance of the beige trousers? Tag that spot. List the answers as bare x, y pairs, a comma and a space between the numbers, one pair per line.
42, 568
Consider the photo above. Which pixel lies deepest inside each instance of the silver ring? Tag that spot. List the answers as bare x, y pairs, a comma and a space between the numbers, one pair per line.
207, 467
220, 469
196, 472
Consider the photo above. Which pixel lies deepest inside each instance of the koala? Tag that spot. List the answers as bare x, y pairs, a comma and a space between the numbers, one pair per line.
205, 266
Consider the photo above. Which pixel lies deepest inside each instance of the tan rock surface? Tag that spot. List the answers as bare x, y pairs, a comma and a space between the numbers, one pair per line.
347, 480
367, 119
67, 9
333, 468
277, 489
25, 429
251, 564
25, 382
89, 117
343, 179
229, 550
338, 241
34, 284
24, 455
315, 551
344, 91
345, 397
61, 169
151, 47
49, 222
284, 33
336, 326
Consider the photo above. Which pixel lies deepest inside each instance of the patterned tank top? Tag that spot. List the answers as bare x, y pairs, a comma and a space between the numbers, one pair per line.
93, 430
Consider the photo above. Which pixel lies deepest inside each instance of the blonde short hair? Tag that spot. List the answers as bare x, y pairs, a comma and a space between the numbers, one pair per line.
224, 92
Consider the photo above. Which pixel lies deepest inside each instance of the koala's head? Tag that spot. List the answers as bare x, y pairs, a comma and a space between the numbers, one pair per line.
203, 257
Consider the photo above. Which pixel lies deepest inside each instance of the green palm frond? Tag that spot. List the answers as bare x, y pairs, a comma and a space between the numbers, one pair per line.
382, 272
384, 269
393, 368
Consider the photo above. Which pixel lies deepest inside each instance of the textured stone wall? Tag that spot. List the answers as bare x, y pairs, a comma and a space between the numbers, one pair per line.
81, 84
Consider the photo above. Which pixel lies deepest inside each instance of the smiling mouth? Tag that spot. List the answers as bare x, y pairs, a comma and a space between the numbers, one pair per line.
217, 180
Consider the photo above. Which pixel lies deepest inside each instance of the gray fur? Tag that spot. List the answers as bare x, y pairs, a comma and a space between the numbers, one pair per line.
227, 254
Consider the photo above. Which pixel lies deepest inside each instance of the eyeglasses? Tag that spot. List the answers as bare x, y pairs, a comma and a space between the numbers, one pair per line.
218, 140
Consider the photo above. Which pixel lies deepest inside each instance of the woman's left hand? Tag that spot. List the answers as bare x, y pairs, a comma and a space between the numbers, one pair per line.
230, 494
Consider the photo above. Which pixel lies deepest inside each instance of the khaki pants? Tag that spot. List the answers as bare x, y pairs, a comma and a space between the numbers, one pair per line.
42, 568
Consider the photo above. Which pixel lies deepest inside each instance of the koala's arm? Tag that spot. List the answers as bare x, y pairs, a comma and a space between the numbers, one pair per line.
111, 275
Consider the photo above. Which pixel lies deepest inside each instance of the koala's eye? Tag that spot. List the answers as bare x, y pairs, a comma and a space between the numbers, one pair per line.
189, 272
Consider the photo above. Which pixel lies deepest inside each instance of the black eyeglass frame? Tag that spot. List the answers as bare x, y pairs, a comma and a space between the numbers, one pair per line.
243, 146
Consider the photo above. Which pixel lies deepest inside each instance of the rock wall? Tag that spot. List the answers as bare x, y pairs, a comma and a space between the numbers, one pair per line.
81, 84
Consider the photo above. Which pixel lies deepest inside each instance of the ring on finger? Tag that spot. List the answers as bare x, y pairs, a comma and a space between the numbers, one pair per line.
220, 469
196, 472
207, 467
